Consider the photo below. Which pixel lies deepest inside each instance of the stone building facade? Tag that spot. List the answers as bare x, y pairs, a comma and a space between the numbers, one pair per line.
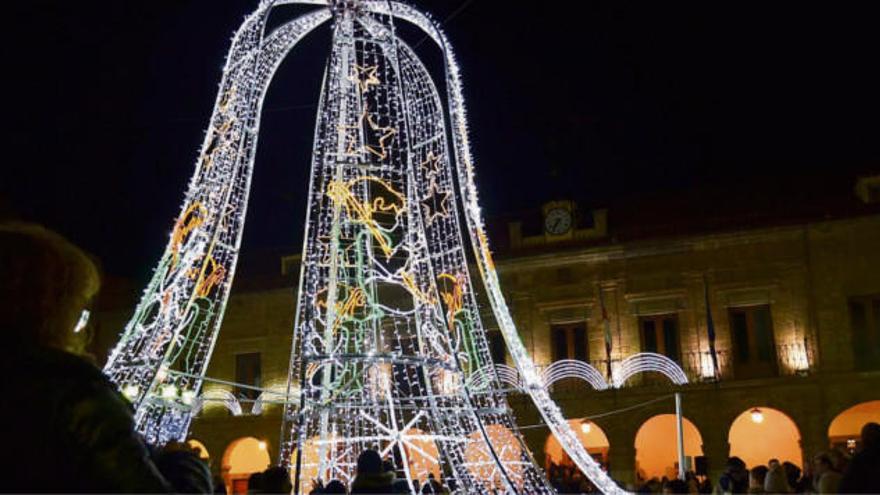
795, 307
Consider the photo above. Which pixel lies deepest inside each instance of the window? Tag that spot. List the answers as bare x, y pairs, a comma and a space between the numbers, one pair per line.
247, 372
660, 335
864, 314
497, 348
570, 341
754, 348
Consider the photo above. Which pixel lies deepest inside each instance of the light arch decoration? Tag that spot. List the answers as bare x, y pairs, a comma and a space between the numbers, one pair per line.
644, 362
573, 368
387, 321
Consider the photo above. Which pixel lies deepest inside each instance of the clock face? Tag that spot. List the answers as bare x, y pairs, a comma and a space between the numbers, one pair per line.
557, 221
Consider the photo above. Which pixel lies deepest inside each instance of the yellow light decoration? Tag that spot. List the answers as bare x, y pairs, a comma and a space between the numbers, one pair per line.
435, 203
340, 192
193, 217
214, 276
410, 283
453, 298
370, 77
431, 165
353, 139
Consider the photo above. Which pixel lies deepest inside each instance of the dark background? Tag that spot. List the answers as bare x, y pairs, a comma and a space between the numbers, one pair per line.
603, 102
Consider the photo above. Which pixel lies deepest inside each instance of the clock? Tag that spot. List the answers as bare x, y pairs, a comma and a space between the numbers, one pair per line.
557, 221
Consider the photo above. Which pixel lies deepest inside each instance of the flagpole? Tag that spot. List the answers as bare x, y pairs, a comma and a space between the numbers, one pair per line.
679, 427
710, 331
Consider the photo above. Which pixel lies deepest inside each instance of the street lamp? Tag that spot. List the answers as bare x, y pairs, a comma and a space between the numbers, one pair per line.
586, 427
757, 416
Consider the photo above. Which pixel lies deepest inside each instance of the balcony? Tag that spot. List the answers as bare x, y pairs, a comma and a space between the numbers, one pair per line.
792, 359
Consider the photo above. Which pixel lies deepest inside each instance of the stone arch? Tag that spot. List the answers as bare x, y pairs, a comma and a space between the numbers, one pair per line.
779, 435
656, 446
242, 458
591, 435
844, 431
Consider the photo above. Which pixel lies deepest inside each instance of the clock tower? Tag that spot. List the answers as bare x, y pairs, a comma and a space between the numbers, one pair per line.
558, 220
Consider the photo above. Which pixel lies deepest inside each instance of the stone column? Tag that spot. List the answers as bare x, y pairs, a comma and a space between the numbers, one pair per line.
716, 448
536, 439
622, 455
814, 437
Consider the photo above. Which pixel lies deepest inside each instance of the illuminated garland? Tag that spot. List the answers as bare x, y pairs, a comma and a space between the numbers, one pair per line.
389, 349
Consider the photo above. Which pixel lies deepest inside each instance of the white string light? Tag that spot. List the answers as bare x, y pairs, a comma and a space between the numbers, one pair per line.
572, 368
387, 331
645, 362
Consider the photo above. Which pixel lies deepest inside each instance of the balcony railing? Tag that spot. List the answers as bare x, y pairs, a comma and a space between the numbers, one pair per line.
701, 367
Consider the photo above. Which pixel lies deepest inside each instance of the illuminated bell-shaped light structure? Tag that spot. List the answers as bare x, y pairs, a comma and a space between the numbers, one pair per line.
389, 348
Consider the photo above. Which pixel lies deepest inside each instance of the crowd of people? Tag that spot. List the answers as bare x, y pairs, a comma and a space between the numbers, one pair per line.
568, 479
830, 471
377, 476
67, 415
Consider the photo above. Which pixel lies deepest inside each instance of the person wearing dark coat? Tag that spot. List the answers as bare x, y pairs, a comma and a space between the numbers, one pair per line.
863, 473
65, 426
371, 478
735, 478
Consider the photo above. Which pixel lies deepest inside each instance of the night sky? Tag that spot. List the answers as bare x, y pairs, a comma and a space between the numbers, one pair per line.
595, 101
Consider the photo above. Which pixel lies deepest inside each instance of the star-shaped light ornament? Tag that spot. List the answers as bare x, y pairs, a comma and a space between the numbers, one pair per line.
352, 137
431, 165
364, 77
408, 436
435, 203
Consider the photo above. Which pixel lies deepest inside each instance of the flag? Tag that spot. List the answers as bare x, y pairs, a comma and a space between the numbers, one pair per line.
710, 330
606, 323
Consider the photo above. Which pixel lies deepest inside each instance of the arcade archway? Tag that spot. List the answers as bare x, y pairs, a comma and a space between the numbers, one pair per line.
243, 457
591, 436
762, 433
656, 446
845, 430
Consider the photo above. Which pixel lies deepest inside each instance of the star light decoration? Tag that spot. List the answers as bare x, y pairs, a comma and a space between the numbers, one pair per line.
435, 203
388, 337
365, 77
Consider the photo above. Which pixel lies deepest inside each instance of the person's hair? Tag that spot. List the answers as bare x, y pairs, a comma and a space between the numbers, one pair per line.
736, 463
369, 462
759, 474
45, 283
255, 482
677, 486
823, 458
871, 436
276, 479
335, 486
184, 471
432, 486
792, 472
